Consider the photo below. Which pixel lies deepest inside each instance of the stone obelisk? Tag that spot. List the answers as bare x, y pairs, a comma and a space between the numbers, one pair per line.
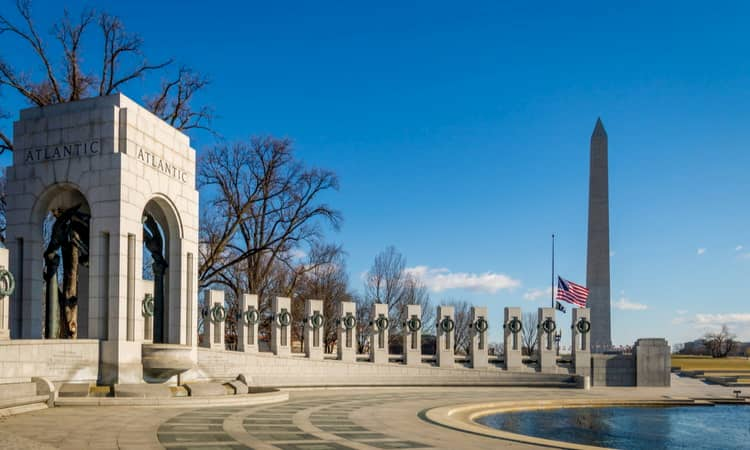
597, 261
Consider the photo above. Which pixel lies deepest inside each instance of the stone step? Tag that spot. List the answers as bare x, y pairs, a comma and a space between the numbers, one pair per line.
74, 390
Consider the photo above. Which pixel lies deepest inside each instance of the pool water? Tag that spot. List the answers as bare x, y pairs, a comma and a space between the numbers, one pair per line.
689, 427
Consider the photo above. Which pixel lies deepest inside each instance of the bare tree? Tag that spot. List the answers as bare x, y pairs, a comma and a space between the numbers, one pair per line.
720, 343
265, 205
364, 312
388, 282
496, 348
328, 282
3, 204
64, 77
530, 322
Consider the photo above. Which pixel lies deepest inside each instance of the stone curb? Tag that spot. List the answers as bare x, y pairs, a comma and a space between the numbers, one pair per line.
178, 402
463, 417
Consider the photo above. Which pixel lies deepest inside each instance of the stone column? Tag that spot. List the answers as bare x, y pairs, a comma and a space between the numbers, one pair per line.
412, 333
213, 322
4, 299
347, 331
379, 326
445, 336
247, 326
545, 341
512, 338
314, 329
581, 339
281, 329
479, 329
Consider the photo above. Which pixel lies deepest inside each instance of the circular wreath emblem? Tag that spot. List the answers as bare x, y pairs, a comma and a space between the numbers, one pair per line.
382, 323
583, 326
252, 316
414, 324
481, 325
218, 313
549, 325
349, 322
447, 325
316, 320
284, 318
147, 306
515, 325
7, 283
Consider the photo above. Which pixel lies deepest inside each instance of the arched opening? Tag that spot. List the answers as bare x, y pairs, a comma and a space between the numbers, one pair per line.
64, 218
162, 266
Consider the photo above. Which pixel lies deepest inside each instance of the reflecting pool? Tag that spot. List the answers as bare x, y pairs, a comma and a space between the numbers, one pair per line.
693, 427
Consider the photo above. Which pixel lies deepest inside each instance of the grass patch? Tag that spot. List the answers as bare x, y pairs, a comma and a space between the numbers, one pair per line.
708, 363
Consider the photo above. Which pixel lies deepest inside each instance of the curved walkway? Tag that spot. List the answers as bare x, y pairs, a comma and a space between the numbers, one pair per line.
387, 418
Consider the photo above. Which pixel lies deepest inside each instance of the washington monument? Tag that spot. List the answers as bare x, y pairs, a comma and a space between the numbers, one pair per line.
597, 260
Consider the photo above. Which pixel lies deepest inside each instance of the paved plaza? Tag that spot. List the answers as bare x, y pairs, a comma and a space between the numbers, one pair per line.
364, 418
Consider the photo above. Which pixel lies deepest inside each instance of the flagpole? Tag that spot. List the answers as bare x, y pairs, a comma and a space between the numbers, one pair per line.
552, 291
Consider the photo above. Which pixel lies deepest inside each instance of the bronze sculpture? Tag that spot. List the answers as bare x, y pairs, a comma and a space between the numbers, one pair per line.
155, 245
70, 236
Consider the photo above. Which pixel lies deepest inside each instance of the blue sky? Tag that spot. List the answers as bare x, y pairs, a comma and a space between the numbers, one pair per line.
461, 133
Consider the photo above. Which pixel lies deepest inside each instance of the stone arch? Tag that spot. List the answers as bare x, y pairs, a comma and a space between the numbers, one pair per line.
166, 215
56, 197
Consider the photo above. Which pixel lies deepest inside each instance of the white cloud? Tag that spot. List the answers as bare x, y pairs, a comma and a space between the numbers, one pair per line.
701, 251
681, 312
441, 279
738, 248
625, 304
536, 293
720, 319
738, 323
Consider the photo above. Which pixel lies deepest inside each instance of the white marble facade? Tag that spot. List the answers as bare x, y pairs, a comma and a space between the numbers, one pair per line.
118, 161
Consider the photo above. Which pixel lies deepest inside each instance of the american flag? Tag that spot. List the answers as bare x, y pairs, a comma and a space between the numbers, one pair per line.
570, 292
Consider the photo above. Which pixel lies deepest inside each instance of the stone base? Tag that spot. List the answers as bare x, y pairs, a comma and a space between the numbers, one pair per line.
208, 389
74, 390
142, 391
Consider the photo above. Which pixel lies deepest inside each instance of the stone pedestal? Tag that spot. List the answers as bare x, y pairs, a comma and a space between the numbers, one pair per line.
213, 322
479, 329
281, 328
314, 329
446, 336
4, 299
247, 326
545, 341
347, 331
652, 363
412, 332
513, 338
581, 339
379, 326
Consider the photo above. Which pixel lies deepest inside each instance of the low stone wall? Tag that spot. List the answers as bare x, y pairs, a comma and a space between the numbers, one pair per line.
56, 360
612, 370
265, 369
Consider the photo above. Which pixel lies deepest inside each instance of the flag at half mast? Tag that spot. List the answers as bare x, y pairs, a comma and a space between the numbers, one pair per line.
570, 292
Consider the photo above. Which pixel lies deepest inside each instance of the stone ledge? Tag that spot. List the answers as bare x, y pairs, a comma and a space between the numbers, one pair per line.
179, 402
